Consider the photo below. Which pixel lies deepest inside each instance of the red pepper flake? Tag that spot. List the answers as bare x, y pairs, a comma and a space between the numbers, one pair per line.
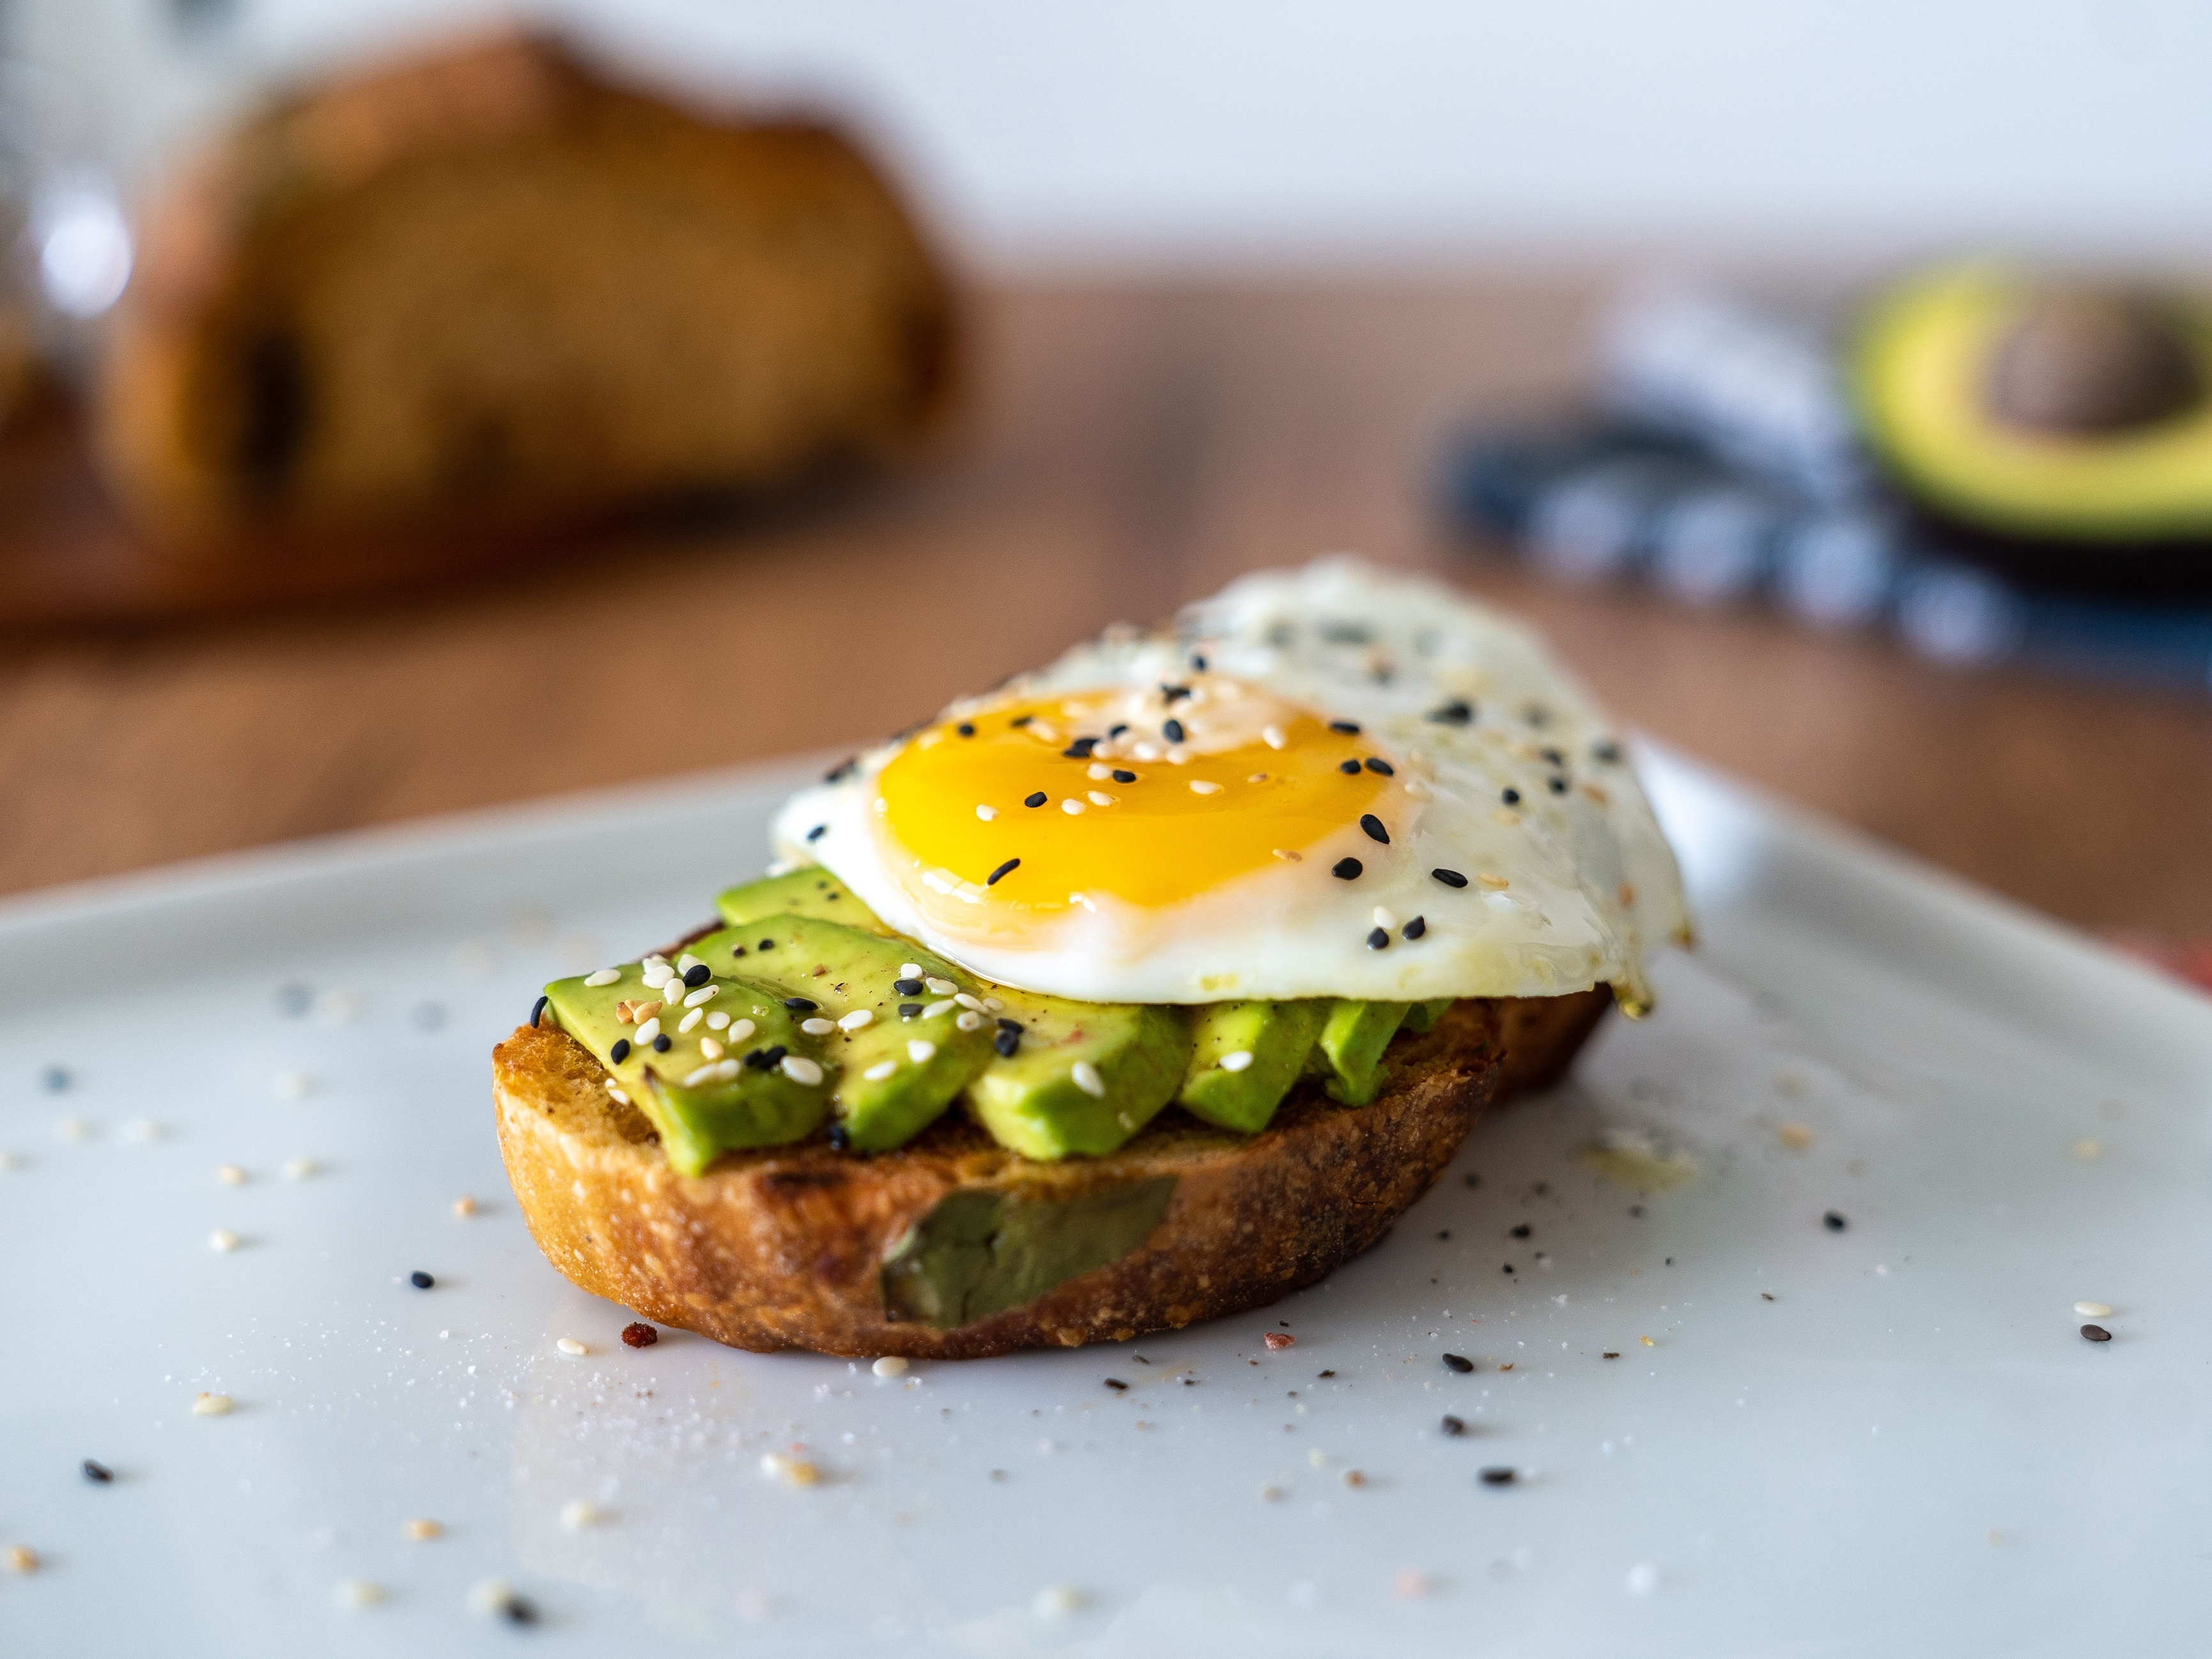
639, 1335
1279, 1339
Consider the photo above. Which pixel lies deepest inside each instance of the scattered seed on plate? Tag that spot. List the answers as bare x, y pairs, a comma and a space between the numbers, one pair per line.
1498, 1475
2091, 1309
222, 1239
22, 1558
792, 1471
1458, 1362
1454, 1425
355, 1593
890, 1364
1058, 1600
230, 1175
300, 1169
211, 1405
99, 1473
422, 1531
421, 1280
1834, 1222
573, 1349
2096, 1333
578, 1513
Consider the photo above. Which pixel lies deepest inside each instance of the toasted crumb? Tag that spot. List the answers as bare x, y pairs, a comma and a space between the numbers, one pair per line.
422, 1532
1796, 1136
22, 1558
1279, 1339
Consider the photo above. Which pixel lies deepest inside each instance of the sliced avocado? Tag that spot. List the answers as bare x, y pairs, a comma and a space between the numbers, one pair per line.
1424, 1016
897, 1072
1351, 1043
977, 1253
1083, 1076
811, 891
1245, 1056
701, 1102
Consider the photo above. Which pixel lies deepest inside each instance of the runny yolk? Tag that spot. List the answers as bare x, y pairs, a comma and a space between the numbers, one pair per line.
1211, 786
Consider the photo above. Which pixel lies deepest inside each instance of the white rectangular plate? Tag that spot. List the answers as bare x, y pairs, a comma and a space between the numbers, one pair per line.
1886, 1439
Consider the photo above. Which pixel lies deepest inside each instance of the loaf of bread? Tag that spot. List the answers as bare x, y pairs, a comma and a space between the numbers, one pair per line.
489, 288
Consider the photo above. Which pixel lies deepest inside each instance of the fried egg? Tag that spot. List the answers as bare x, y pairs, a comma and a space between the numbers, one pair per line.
1333, 781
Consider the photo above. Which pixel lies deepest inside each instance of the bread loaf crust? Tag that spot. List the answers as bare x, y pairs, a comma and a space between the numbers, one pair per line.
784, 1248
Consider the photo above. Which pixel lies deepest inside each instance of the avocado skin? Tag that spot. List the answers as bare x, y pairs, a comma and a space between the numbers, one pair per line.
1278, 1036
757, 1107
978, 1253
1351, 1043
842, 968
1030, 1102
808, 891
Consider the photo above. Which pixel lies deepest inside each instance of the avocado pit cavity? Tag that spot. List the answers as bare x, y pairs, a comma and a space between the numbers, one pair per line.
2082, 362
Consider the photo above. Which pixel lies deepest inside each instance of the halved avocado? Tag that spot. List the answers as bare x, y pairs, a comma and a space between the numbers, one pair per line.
2057, 432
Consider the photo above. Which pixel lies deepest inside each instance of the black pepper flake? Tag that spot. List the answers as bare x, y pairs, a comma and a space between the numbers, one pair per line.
1325, 1373
421, 1280
1453, 1427
801, 1005
1347, 869
537, 1009
1080, 749
1415, 928
1605, 750
1380, 768
1172, 731
840, 1137
1373, 826
1554, 756
768, 945
663, 1043
1457, 712
1350, 769
639, 1335
817, 832
1036, 798
909, 1011
620, 1052
1833, 1222
2096, 1333
1378, 939
1459, 1363
1556, 786
1349, 728
1117, 1385
1450, 878
1521, 1230
1609, 1354
99, 1473
1121, 776
1508, 1267
697, 975
518, 1610
1500, 1476
1001, 872
1007, 1043
842, 770
907, 987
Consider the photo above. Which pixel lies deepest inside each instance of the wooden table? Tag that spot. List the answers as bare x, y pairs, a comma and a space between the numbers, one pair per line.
1129, 448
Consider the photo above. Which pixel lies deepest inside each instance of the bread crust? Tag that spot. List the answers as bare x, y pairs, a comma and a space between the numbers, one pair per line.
784, 1248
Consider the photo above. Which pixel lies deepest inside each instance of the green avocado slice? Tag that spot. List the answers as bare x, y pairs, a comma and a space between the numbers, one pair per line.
896, 1071
1245, 1056
1423, 1015
1084, 1076
809, 891
703, 1104
1352, 1040
978, 1253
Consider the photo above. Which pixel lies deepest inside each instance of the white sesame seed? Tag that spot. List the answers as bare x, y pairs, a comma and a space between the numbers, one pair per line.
880, 1070
1178, 757
684, 1024
652, 959
2091, 1309
792, 1471
9, 1162
941, 987
932, 1010
1087, 1080
910, 970
1100, 773
968, 1001
1202, 786
687, 962
573, 1349
22, 1558
856, 1019
1073, 807
739, 1030
1143, 751
818, 1026
615, 1093
222, 1239
969, 1020
725, 1070
711, 1048
300, 1169
781, 867
604, 976
230, 1175
658, 974
646, 1032
800, 1069
920, 1052
705, 993
986, 813
211, 1405
1383, 918
355, 1593
578, 1513
718, 1021
1057, 1601
490, 1597
422, 1531
1237, 1062
993, 1004
1100, 798
890, 1364
1495, 883
291, 1085
705, 1073
465, 1207
1272, 736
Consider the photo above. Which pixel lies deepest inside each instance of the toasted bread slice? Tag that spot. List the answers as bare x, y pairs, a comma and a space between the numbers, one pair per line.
807, 1247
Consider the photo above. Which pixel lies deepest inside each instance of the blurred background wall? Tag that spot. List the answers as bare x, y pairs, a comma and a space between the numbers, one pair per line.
1164, 133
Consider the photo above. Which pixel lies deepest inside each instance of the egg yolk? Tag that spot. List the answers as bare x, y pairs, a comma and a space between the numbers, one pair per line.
997, 822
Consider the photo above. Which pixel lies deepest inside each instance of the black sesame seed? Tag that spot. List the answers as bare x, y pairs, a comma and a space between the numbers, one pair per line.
1080, 749
1457, 712
1021, 720
909, 1011
1198, 663
1460, 1362
1347, 869
1521, 1231
99, 1473
1350, 769
421, 1280
620, 1052
1556, 786
737, 950
696, 975
817, 832
1452, 1426
1124, 777
1605, 750
1450, 878
2096, 1333
1006, 1042
1349, 728
840, 1137
757, 1060
775, 1053
1037, 799
1173, 693
1833, 1222
966, 728
1014, 1025
55, 1079
1373, 826
1508, 1267
538, 1008
1554, 756
1172, 731
842, 770
1609, 1354
1415, 928
1380, 767
518, 1610
1117, 1385
1003, 870
1511, 797
1119, 729
1500, 1476
801, 1005
1378, 939
768, 945
1536, 715
663, 1043
907, 987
